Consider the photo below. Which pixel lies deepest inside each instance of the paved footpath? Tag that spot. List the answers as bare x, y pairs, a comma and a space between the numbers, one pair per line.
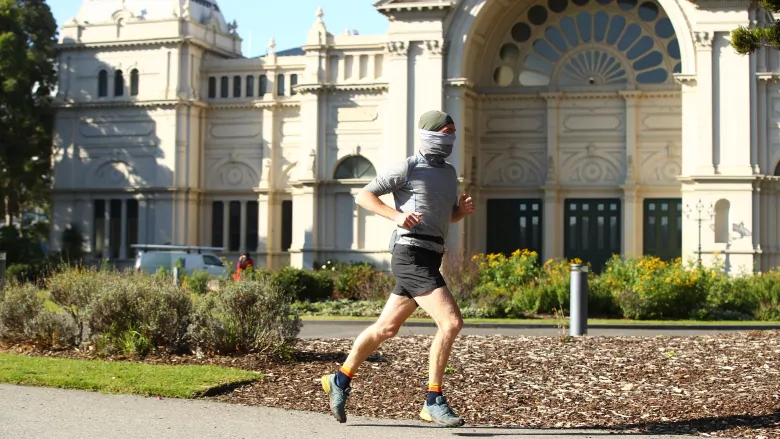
29, 412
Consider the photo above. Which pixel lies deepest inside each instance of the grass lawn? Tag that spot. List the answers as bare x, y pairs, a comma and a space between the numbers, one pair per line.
119, 377
554, 321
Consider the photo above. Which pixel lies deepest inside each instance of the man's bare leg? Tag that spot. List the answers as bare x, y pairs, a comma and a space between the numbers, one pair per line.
441, 306
396, 311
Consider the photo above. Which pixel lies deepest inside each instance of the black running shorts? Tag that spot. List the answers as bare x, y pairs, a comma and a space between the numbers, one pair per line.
416, 270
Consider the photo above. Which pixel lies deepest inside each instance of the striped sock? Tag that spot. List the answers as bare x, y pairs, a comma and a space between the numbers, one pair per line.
344, 377
434, 390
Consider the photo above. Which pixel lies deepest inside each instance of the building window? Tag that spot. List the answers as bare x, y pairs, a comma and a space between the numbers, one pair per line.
228, 236
102, 84
225, 87
293, 83
236, 86
287, 224
663, 228
777, 170
722, 219
212, 87
134, 82
280, 85
514, 224
354, 167
262, 87
108, 228
592, 231
217, 224
250, 86
119, 83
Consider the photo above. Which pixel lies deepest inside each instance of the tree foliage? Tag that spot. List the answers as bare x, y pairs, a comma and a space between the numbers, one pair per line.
27, 77
747, 40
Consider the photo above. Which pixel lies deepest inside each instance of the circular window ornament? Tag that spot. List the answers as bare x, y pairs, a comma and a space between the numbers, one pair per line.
503, 76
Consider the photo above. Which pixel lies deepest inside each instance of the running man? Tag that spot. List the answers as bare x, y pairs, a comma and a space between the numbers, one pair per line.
425, 189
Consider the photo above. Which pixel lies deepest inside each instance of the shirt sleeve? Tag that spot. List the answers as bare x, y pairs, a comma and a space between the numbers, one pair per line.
389, 179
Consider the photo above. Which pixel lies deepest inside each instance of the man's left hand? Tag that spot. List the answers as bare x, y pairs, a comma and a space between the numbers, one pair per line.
466, 205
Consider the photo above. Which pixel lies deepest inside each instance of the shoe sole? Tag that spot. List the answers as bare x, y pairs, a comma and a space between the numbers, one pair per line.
426, 416
326, 387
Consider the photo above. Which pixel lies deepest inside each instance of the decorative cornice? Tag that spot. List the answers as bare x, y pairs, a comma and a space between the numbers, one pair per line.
375, 87
629, 94
459, 83
255, 105
128, 104
721, 4
685, 78
397, 49
388, 7
436, 48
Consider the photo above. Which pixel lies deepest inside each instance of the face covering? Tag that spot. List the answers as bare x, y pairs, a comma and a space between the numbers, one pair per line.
436, 146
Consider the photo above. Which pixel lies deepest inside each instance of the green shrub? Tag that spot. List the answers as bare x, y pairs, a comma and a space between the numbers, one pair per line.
198, 282
25, 319
137, 313
763, 293
305, 284
362, 282
20, 273
247, 316
73, 290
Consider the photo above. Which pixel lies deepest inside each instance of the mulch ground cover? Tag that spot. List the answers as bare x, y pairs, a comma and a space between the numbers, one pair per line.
725, 385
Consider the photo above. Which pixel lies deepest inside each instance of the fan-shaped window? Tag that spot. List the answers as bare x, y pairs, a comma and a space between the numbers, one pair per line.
103, 84
119, 83
562, 43
355, 167
134, 82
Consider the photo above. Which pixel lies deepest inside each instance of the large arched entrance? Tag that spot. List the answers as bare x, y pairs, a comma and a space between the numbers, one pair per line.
573, 125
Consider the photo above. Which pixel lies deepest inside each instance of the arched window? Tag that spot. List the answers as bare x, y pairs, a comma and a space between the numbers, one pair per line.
212, 87
225, 87
250, 86
119, 83
280, 85
722, 220
236, 86
262, 88
777, 170
564, 44
293, 83
134, 82
354, 167
102, 84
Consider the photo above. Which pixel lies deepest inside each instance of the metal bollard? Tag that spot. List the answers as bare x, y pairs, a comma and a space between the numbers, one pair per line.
2, 270
578, 300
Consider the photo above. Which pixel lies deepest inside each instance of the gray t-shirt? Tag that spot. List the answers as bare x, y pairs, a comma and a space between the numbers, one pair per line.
430, 189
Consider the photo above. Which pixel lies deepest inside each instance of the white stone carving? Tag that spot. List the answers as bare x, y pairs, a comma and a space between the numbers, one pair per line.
592, 166
660, 166
115, 174
516, 168
234, 175
397, 49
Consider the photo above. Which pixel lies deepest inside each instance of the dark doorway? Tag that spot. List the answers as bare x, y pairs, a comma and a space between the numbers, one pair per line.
592, 230
663, 228
514, 224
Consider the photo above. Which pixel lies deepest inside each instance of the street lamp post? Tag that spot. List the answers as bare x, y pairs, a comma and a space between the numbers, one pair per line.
699, 219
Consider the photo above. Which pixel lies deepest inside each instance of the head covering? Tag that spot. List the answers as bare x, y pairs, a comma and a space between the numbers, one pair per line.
434, 120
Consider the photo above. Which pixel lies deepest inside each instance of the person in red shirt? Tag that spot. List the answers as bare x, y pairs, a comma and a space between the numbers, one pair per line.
244, 261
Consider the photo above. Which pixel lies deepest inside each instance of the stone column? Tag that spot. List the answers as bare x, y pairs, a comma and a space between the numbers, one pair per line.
242, 241
226, 225
263, 224
396, 126
704, 110
631, 229
357, 216
552, 231
123, 233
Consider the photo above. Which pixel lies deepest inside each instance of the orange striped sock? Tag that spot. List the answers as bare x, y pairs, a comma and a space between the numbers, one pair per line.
344, 377
434, 390
346, 371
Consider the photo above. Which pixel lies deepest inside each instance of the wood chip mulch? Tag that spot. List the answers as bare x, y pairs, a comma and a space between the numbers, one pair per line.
725, 385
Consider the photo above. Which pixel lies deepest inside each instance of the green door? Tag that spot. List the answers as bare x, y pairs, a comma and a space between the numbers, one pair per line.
514, 224
592, 230
663, 228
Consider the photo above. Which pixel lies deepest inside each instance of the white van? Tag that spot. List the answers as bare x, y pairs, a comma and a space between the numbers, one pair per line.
151, 258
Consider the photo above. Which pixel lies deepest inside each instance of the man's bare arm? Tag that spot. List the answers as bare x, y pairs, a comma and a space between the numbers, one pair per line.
369, 201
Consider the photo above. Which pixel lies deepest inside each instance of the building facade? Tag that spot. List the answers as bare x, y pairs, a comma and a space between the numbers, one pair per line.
586, 128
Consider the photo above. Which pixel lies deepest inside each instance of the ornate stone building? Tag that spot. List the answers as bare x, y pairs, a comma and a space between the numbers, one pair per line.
586, 128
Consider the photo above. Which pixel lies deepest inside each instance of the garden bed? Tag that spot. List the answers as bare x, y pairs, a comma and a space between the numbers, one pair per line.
712, 385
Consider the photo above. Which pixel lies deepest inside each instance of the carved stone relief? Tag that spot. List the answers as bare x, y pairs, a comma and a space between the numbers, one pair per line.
518, 167
660, 165
592, 165
115, 174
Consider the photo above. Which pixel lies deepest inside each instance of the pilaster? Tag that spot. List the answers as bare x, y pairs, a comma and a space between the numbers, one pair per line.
552, 243
705, 93
632, 227
396, 125
632, 103
123, 231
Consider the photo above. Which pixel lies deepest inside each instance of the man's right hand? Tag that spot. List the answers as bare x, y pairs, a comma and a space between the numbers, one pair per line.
408, 220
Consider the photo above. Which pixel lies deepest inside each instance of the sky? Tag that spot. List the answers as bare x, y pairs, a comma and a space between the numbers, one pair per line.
287, 20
